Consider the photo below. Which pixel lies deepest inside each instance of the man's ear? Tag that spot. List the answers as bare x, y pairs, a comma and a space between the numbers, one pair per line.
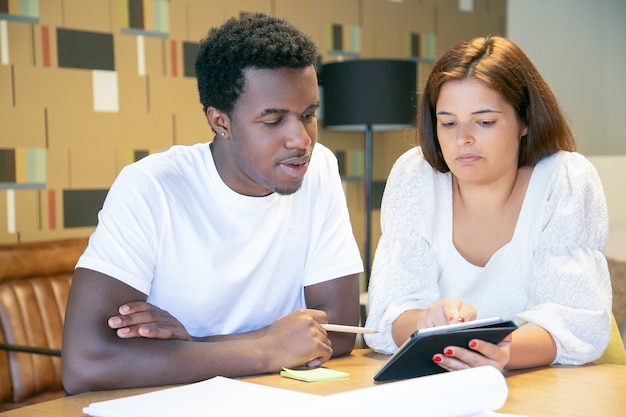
219, 121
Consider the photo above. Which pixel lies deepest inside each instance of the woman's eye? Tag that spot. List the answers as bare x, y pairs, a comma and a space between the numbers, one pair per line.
487, 123
448, 124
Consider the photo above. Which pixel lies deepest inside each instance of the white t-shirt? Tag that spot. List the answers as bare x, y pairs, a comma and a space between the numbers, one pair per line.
552, 273
218, 261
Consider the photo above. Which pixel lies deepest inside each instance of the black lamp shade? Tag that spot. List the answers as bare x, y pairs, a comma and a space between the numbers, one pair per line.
377, 93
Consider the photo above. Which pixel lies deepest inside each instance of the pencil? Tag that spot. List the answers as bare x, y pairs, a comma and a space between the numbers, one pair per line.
348, 329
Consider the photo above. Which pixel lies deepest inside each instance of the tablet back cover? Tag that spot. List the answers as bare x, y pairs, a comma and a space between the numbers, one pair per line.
415, 357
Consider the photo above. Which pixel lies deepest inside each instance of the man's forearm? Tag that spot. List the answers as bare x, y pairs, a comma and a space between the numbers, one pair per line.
148, 362
255, 334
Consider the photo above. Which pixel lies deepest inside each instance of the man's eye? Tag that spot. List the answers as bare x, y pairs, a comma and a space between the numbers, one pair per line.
272, 122
309, 116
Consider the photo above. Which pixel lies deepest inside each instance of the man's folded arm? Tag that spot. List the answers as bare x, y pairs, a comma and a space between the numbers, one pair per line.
95, 358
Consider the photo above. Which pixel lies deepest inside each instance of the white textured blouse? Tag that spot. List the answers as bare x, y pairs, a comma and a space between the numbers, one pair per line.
552, 273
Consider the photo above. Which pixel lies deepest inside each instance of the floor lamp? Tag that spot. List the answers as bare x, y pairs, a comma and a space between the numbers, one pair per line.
369, 95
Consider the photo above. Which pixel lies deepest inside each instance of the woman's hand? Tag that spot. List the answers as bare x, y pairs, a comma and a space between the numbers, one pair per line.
438, 313
478, 353
446, 311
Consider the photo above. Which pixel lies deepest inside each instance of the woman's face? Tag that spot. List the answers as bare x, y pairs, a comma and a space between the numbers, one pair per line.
478, 131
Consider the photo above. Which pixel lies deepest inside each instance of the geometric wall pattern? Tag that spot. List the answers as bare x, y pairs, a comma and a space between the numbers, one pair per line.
22, 168
345, 39
81, 207
190, 50
149, 18
89, 86
22, 10
423, 45
85, 50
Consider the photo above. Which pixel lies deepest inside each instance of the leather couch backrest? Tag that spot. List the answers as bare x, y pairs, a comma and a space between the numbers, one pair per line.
26, 260
34, 285
32, 312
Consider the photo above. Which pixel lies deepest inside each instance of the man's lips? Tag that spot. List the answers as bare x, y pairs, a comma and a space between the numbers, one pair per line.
296, 161
296, 166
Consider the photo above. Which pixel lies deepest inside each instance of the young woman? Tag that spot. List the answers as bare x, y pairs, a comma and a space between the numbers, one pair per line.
495, 214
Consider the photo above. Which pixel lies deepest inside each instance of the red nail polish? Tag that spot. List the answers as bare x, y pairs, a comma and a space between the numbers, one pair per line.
437, 359
461, 319
473, 344
448, 352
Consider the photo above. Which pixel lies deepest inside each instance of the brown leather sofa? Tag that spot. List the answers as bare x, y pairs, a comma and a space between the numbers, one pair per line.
34, 284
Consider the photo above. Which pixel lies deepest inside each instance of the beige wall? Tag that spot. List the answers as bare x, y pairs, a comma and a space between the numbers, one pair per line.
578, 45
51, 108
612, 171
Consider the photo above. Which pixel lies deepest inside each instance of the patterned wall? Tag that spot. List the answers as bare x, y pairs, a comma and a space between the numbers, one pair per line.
89, 86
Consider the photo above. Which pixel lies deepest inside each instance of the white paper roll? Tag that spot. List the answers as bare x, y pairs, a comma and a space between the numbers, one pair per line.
476, 392
450, 394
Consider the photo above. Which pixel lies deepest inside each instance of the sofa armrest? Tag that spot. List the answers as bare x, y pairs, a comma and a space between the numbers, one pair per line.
30, 349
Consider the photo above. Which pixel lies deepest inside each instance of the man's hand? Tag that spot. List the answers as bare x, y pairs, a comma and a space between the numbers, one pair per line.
142, 319
298, 339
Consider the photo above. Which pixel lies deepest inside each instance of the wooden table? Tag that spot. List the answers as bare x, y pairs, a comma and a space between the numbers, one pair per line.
593, 390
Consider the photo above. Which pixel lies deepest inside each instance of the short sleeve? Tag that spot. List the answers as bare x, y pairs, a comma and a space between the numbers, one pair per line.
569, 290
123, 244
404, 272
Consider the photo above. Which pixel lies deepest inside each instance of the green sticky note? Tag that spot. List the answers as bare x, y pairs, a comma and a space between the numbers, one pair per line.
312, 375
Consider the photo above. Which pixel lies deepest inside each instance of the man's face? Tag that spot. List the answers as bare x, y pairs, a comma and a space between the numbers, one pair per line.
273, 129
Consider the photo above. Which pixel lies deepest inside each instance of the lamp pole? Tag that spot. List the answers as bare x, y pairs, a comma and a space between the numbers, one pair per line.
368, 200
369, 95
